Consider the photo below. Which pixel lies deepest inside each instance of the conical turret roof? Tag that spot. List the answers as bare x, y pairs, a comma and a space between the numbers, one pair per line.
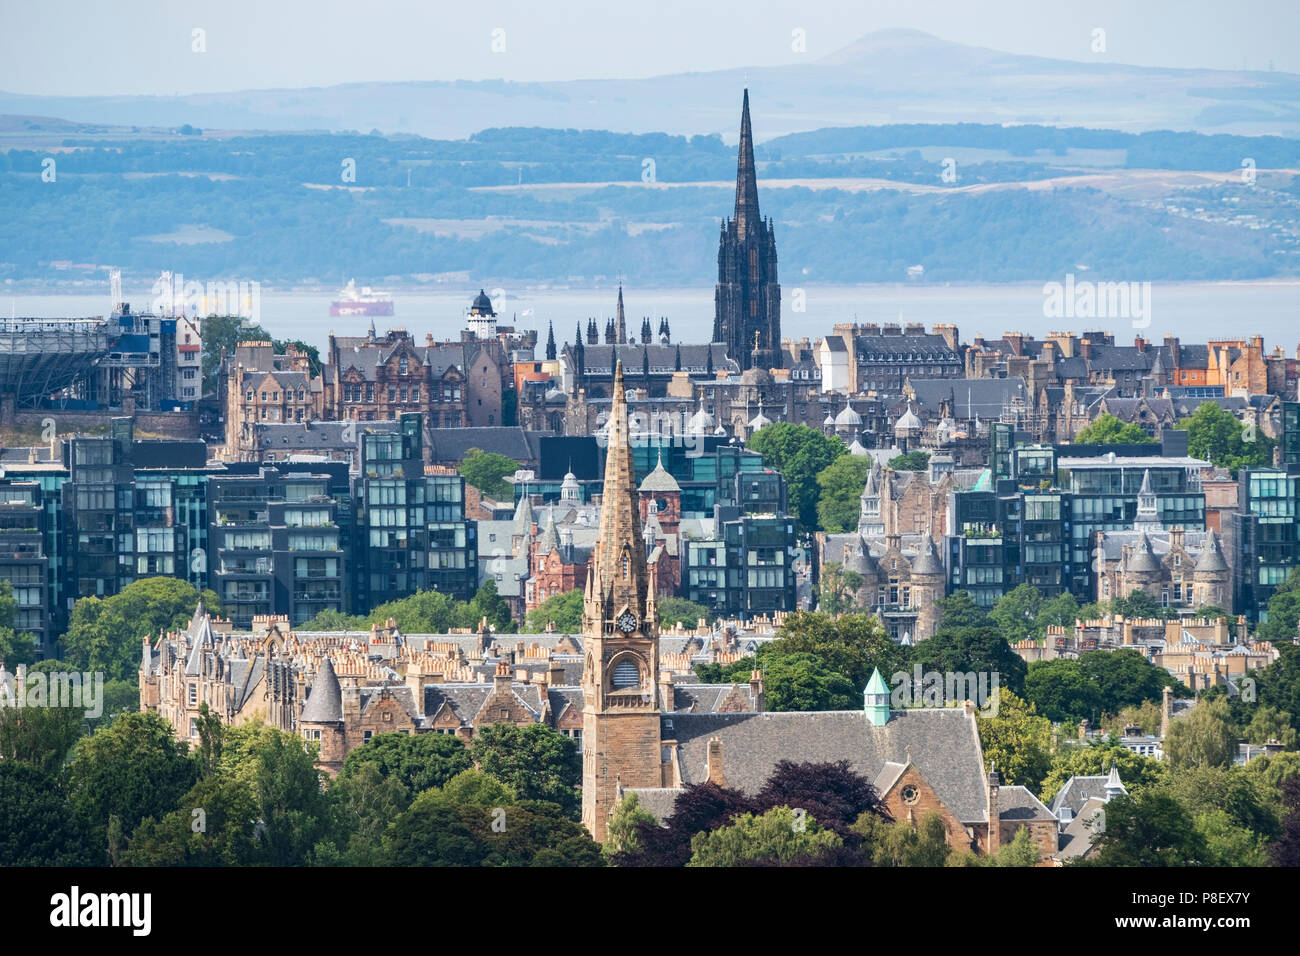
325, 704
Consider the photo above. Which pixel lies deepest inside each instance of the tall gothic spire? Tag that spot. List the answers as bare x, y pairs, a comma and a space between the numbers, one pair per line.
550, 342
620, 329
746, 175
618, 581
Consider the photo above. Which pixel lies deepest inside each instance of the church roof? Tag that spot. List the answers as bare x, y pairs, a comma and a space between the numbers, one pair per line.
943, 742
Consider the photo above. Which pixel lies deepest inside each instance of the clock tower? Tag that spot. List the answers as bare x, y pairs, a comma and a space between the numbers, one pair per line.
620, 635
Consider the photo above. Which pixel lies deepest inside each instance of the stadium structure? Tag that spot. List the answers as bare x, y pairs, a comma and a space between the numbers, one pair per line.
128, 360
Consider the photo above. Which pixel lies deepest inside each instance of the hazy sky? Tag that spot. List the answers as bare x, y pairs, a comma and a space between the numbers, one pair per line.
80, 47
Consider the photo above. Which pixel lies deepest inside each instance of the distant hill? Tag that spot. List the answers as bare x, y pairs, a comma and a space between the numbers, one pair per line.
891, 76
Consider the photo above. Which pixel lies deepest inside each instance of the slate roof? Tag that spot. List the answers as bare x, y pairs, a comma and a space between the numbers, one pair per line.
1076, 838
1120, 358
315, 436
1076, 792
944, 746
449, 445
713, 698
1017, 803
325, 702
893, 348
599, 359
986, 395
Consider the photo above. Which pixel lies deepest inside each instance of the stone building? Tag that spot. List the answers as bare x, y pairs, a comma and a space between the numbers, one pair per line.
747, 301
372, 378
1184, 570
261, 388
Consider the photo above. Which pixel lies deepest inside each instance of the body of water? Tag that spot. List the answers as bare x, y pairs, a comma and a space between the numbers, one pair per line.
1193, 311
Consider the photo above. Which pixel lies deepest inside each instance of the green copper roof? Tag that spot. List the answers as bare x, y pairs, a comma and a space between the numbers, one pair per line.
877, 684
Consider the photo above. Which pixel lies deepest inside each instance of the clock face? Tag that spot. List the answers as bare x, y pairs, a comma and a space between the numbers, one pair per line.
626, 622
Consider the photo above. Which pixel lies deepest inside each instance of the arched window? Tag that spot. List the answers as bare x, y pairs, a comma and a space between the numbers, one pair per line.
626, 674
627, 566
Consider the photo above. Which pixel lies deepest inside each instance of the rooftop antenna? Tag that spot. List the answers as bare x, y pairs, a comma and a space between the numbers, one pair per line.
115, 288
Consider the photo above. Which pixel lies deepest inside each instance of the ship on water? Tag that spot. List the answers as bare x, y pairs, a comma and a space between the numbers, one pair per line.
363, 301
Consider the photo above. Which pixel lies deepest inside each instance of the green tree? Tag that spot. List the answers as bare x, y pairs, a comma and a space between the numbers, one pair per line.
673, 610
36, 828
1146, 715
417, 761
280, 772
214, 826
968, 640
800, 454
910, 461
1268, 724
40, 736
1017, 742
1109, 430
1243, 799
622, 835
840, 487
837, 590
1016, 613
852, 645
737, 672
487, 471
1059, 691
476, 821
777, 836
1214, 433
899, 843
1283, 611
487, 605
364, 804
132, 769
104, 634
1139, 604
16, 647
801, 682
538, 763
1151, 829
1021, 851
564, 610
1204, 738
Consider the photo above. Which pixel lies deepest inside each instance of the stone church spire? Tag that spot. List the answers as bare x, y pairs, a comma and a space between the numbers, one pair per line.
747, 299
746, 176
621, 740
618, 582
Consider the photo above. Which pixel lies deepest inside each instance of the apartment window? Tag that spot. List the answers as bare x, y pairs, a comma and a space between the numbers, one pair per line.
194, 694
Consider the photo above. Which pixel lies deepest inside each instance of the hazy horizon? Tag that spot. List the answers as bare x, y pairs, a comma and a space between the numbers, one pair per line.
138, 47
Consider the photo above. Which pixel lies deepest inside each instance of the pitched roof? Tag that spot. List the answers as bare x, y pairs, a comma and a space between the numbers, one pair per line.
943, 742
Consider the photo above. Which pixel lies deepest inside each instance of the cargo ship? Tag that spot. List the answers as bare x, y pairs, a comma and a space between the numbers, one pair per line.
363, 301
